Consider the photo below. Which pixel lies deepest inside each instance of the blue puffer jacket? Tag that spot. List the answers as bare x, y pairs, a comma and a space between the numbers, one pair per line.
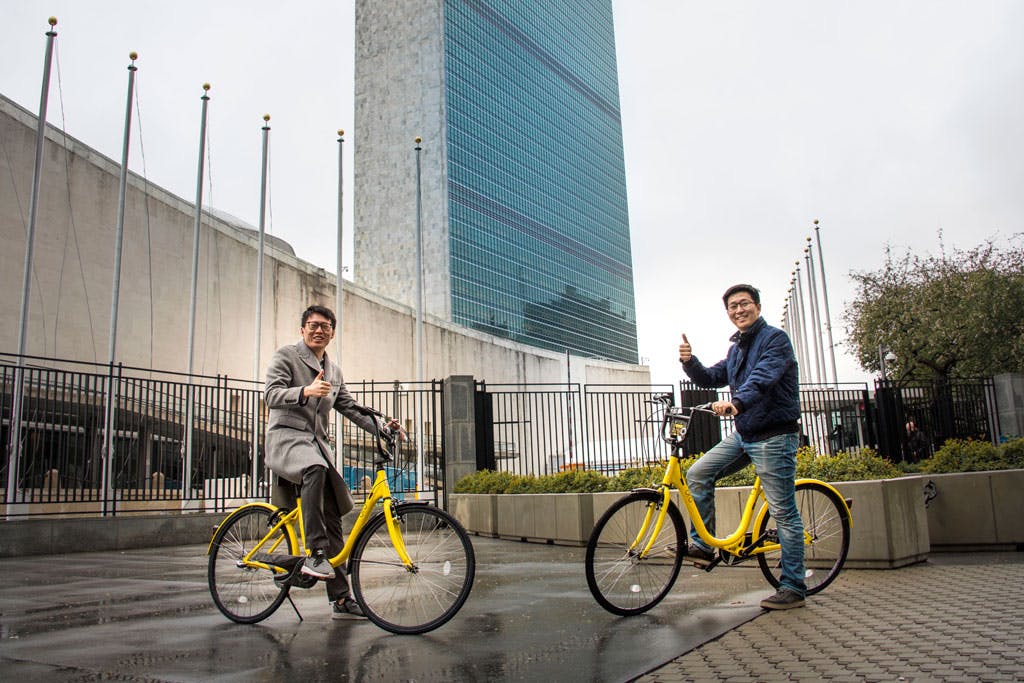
761, 371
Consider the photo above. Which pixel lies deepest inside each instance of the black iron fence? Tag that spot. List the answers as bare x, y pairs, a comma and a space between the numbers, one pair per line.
937, 411
114, 440
546, 428
65, 460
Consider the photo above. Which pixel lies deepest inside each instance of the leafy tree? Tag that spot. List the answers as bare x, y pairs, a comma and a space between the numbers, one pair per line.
957, 314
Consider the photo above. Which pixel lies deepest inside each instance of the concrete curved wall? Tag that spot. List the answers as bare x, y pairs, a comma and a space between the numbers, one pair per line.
69, 315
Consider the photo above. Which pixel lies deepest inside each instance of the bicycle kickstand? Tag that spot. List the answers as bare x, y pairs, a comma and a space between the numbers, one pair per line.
294, 607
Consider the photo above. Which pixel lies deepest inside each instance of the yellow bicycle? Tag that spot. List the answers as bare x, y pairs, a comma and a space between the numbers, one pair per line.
411, 565
637, 547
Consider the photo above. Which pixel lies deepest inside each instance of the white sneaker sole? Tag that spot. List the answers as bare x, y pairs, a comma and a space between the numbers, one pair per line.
317, 575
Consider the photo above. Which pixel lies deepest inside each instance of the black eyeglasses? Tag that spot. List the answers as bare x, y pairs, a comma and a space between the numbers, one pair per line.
736, 305
313, 326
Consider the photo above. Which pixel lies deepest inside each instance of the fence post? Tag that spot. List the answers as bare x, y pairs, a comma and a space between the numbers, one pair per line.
460, 433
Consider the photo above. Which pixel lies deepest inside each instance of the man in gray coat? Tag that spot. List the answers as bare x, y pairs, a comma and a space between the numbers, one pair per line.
302, 388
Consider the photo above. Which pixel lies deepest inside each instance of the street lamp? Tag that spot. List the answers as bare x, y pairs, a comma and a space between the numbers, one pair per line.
885, 355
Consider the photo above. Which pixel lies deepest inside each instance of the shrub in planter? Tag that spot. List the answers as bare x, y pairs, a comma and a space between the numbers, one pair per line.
854, 465
636, 477
959, 455
848, 466
574, 481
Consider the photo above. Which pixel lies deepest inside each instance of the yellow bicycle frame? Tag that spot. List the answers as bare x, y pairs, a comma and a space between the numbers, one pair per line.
380, 492
733, 544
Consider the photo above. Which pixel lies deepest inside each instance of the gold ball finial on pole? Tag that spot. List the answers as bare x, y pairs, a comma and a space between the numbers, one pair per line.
341, 133
133, 55
815, 221
52, 21
266, 117
206, 86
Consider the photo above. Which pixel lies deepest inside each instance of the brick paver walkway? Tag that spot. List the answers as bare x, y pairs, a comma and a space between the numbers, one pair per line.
958, 618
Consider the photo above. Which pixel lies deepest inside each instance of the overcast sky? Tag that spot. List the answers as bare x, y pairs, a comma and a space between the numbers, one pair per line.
743, 122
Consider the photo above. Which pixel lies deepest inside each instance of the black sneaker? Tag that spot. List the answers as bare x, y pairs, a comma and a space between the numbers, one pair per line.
317, 566
346, 608
697, 556
783, 599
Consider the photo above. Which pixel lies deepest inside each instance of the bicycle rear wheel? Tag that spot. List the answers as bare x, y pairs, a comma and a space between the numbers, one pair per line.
418, 600
245, 594
827, 523
621, 581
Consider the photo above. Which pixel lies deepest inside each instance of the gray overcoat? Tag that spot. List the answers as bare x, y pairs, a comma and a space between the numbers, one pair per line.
297, 427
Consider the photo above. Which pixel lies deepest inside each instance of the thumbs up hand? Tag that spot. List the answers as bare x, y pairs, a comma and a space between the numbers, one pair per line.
685, 352
319, 387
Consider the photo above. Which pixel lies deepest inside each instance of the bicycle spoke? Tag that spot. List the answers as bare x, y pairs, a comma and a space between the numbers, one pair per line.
242, 593
620, 579
417, 600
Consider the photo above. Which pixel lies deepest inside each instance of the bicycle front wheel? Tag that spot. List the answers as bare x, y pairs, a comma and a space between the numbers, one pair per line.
421, 598
827, 528
245, 594
622, 581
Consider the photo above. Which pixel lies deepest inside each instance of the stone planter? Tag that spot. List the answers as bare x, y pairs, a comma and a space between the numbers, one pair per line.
975, 510
890, 528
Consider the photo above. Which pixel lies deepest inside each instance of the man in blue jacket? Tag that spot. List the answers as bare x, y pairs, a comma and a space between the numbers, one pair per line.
761, 372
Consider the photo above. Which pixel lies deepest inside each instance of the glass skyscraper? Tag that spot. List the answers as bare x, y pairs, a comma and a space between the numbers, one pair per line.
530, 238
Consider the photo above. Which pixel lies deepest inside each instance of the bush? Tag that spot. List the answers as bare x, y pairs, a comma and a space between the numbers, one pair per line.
855, 465
960, 455
1013, 454
636, 478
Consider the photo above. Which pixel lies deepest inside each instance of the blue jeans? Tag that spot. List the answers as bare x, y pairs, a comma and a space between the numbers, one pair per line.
775, 462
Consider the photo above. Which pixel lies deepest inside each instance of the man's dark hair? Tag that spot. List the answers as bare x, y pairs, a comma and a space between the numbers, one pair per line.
749, 289
321, 310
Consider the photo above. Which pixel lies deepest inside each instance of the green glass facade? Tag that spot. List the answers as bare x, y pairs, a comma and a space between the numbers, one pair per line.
538, 222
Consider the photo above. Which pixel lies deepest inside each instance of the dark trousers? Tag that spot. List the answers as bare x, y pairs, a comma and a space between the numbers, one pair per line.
321, 518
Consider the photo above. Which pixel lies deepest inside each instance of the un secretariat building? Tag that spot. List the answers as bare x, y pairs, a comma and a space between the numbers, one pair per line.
522, 211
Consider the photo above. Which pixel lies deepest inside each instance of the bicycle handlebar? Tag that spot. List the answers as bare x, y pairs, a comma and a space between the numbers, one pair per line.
679, 419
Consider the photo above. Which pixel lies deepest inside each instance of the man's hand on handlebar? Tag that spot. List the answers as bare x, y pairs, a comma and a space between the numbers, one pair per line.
724, 408
395, 427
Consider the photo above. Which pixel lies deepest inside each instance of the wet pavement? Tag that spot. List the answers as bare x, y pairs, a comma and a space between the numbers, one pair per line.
146, 615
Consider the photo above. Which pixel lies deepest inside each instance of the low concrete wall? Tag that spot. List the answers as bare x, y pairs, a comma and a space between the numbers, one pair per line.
890, 528
88, 534
971, 510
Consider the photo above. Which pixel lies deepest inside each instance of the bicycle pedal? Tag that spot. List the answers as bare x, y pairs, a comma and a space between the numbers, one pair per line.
295, 578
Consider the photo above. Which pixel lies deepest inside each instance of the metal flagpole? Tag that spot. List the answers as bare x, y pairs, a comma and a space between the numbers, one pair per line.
812, 293
195, 230
259, 296
259, 256
108, 459
419, 313
14, 433
801, 323
794, 324
824, 292
341, 204
339, 290
186, 441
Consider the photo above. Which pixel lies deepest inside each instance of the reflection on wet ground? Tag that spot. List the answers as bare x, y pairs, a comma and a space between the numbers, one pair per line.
147, 615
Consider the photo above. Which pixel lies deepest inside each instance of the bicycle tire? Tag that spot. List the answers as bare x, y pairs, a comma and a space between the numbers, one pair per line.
409, 602
826, 518
620, 581
245, 595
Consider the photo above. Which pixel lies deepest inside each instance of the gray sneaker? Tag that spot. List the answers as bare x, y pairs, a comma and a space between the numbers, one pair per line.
783, 599
317, 566
346, 608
